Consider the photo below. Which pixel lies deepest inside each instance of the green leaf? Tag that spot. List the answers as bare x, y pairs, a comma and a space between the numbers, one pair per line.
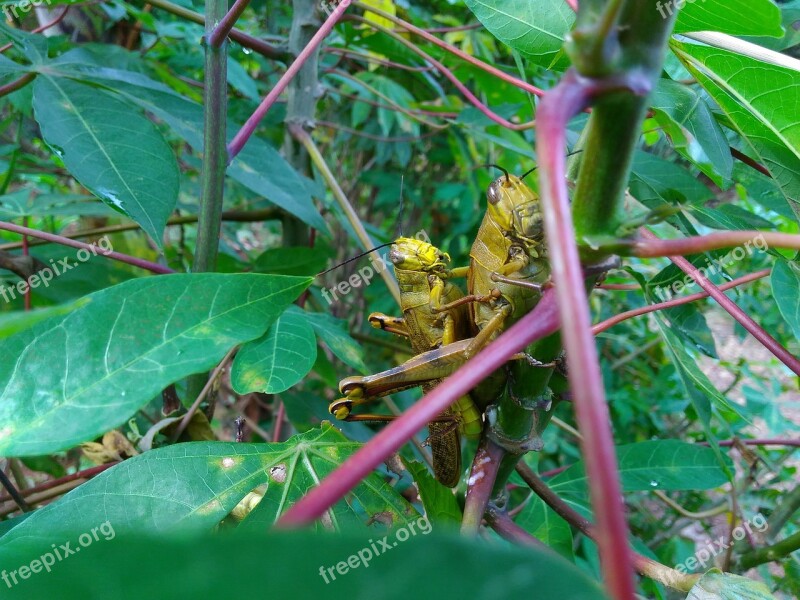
754, 95
716, 585
535, 29
277, 360
727, 16
14, 322
785, 283
303, 464
297, 260
666, 465
78, 375
291, 565
110, 148
687, 118
545, 525
439, 501
22, 203
336, 335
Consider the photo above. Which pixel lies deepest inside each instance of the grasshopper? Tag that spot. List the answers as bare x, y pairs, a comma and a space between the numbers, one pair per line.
422, 274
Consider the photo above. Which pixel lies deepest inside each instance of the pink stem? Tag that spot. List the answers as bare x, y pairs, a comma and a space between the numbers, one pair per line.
769, 342
57, 239
240, 139
481, 480
568, 98
609, 323
227, 22
654, 247
539, 323
41, 28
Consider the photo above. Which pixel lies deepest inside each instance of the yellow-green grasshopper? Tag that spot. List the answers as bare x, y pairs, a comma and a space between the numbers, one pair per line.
423, 277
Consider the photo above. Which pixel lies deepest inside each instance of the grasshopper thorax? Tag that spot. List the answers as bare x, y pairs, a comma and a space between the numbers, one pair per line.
515, 208
411, 254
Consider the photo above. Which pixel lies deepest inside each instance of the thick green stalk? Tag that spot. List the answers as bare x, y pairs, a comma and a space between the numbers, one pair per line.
215, 154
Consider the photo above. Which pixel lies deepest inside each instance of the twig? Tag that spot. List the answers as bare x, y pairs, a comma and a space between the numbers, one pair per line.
8, 88
187, 418
224, 27
481, 481
733, 309
85, 474
240, 139
131, 260
774, 552
41, 28
13, 492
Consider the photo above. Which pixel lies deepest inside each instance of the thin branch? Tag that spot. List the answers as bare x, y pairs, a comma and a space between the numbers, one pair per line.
187, 418
377, 138
13, 492
80, 475
244, 39
352, 216
378, 61
616, 319
523, 85
223, 28
9, 88
240, 139
465, 91
42, 28
652, 247
241, 216
741, 156
131, 260
507, 529
539, 323
732, 308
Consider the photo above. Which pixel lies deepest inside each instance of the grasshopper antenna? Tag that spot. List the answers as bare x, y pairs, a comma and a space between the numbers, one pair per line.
349, 260
505, 172
526, 173
399, 230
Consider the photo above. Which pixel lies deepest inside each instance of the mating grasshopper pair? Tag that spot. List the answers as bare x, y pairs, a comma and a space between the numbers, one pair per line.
508, 269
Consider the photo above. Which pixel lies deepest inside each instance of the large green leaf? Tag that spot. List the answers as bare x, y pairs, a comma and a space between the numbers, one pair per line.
439, 501
536, 29
727, 16
259, 166
302, 465
194, 486
545, 525
73, 377
111, 148
754, 96
665, 465
416, 562
786, 291
277, 360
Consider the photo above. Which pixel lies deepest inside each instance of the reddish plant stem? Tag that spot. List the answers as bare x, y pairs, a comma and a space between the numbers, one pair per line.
539, 323
51, 237
8, 88
732, 308
240, 139
465, 91
758, 442
567, 99
280, 416
85, 474
505, 527
225, 25
41, 28
573, 4
652, 247
380, 61
481, 480
616, 319
453, 50
750, 162
14, 493
26, 252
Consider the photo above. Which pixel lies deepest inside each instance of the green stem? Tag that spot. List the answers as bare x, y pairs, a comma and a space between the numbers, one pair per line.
215, 156
775, 552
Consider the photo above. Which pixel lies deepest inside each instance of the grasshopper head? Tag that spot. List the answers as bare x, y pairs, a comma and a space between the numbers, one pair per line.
515, 208
411, 254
